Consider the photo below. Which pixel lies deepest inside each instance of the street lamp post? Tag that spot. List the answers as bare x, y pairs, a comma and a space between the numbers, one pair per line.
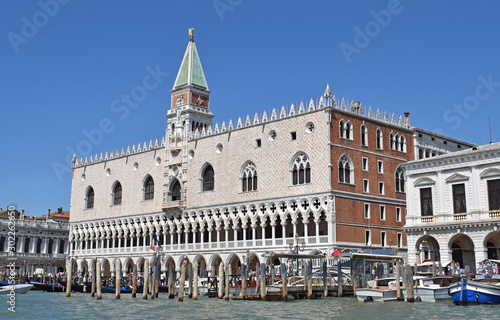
296, 247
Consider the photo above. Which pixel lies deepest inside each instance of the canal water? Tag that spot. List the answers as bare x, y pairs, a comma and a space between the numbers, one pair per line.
51, 306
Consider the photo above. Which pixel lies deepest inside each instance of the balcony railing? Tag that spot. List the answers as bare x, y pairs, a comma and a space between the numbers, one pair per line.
428, 219
228, 244
442, 218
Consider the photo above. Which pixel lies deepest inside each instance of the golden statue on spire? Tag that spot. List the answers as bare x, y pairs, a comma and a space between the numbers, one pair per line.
191, 32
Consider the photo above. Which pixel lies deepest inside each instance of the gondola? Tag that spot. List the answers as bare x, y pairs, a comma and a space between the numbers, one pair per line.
48, 287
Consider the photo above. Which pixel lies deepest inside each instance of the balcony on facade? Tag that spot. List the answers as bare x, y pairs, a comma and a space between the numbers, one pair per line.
237, 245
453, 218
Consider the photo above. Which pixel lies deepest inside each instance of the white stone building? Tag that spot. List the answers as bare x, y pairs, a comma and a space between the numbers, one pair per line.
38, 242
453, 204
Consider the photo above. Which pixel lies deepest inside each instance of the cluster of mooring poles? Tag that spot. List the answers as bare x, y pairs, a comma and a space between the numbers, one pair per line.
268, 286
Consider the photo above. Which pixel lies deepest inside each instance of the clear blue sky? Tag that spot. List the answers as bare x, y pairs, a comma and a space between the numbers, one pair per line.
62, 68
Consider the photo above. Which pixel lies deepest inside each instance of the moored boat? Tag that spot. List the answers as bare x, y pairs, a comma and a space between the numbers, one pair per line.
17, 288
432, 289
379, 290
49, 287
481, 291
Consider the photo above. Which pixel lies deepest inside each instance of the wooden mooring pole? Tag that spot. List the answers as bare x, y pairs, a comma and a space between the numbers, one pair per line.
408, 279
226, 283
171, 277
325, 279
220, 282
243, 281
263, 281
69, 276
195, 280
118, 277
398, 280
339, 280
284, 280
146, 279
134, 281
183, 280
92, 275
98, 278
309, 280
190, 273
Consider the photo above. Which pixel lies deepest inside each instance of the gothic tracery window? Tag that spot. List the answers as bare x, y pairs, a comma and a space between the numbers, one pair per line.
249, 178
346, 171
301, 170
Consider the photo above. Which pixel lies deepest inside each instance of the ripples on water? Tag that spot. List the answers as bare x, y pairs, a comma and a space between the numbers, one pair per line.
44, 305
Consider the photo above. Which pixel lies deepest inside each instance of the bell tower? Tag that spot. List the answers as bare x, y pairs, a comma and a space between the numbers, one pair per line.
189, 113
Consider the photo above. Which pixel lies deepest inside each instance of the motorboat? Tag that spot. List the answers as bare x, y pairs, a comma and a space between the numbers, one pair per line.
383, 289
482, 290
433, 288
16, 288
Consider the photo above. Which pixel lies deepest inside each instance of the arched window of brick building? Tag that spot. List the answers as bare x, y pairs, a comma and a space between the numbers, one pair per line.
346, 170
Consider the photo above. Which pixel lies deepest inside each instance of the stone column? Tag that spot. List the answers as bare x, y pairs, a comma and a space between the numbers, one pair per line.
69, 272
253, 235
273, 234
316, 222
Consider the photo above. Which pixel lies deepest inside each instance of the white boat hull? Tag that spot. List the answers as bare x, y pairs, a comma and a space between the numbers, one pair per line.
373, 294
428, 294
17, 288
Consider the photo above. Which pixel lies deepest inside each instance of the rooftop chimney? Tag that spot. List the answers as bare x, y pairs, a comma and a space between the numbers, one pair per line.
22, 214
407, 117
59, 210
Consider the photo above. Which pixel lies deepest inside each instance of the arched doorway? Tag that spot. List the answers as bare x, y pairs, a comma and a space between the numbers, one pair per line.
492, 245
427, 249
462, 251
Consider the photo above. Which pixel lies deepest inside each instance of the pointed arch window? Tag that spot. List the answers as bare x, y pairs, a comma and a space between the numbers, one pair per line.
348, 130
341, 128
364, 136
301, 170
89, 199
208, 178
117, 194
379, 139
391, 140
149, 189
249, 178
346, 170
400, 180
176, 191
402, 143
